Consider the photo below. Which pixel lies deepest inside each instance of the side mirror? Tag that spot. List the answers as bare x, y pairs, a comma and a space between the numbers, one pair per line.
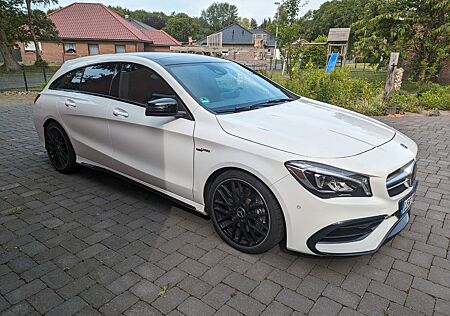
162, 107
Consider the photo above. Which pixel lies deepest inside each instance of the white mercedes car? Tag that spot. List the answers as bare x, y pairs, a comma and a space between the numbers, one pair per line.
267, 165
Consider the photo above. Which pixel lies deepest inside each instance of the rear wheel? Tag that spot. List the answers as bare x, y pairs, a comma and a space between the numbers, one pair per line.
59, 149
245, 213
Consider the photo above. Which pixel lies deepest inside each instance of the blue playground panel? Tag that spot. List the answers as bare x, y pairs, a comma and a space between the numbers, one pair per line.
332, 62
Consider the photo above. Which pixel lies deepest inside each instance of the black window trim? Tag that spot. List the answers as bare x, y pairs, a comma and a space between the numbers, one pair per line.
188, 115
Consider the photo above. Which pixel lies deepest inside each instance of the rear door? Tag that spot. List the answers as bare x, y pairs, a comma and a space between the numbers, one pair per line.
82, 109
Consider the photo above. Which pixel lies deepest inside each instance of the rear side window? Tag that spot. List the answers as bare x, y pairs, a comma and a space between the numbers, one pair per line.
68, 81
97, 78
139, 84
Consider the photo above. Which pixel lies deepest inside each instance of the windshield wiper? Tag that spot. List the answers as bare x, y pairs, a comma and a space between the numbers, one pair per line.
273, 102
238, 109
254, 106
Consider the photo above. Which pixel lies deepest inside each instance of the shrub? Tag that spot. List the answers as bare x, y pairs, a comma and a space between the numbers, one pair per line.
339, 88
404, 102
435, 96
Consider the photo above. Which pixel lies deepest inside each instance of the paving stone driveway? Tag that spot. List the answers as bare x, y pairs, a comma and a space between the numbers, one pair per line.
90, 243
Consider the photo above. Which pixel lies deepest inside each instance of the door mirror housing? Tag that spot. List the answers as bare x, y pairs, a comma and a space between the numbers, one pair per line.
163, 107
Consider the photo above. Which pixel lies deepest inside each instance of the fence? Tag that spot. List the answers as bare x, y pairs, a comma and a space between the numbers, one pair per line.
29, 78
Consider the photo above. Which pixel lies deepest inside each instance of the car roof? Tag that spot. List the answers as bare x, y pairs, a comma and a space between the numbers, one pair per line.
165, 59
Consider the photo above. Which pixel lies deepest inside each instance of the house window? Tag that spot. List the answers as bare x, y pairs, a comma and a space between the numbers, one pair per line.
93, 49
120, 49
30, 47
70, 48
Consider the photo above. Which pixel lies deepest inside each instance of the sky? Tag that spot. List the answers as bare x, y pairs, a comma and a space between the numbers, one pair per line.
257, 9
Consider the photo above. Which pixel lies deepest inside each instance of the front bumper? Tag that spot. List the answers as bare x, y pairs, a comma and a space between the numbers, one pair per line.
350, 235
309, 219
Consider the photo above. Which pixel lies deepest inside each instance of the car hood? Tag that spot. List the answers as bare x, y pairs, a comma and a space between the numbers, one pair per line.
308, 128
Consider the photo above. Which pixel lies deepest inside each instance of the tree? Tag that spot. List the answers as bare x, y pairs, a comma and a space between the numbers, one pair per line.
245, 22
289, 28
418, 29
253, 24
10, 22
310, 55
181, 26
220, 15
34, 22
120, 10
332, 14
266, 24
156, 20
18, 24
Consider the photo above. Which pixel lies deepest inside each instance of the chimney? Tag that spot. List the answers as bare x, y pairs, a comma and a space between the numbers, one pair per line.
127, 17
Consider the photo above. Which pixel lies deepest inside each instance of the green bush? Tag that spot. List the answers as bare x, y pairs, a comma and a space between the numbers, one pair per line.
404, 102
435, 96
339, 88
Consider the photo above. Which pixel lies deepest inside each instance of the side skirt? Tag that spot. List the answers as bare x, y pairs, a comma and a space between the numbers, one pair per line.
192, 206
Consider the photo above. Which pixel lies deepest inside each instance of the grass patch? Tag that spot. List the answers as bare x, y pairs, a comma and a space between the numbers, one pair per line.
164, 290
14, 211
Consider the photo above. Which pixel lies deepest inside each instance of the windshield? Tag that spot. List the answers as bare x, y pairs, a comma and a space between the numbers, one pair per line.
226, 86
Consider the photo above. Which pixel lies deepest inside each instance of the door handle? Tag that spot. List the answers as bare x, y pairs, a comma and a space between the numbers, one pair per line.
70, 103
120, 112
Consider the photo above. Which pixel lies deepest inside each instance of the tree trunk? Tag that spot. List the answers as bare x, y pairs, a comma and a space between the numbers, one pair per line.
10, 63
33, 35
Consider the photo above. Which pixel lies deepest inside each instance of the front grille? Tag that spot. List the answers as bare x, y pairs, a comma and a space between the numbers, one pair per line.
401, 179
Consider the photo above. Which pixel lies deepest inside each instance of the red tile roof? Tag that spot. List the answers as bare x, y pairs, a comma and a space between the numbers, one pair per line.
98, 22
161, 38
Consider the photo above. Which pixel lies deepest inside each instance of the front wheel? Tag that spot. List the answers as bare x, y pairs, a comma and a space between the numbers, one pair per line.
59, 149
245, 213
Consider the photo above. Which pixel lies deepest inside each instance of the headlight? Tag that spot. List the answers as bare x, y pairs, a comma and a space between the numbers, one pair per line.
328, 182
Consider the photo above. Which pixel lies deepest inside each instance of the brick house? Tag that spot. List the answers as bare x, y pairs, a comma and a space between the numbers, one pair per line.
92, 28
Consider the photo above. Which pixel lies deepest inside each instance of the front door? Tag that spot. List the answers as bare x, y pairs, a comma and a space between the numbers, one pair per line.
156, 150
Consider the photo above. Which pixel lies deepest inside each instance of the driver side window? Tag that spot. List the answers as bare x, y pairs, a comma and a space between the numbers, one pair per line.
139, 84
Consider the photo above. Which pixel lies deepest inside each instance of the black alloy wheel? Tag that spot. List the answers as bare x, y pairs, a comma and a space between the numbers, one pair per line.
59, 148
245, 213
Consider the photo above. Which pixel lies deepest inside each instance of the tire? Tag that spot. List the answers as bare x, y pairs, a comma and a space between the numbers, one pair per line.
59, 148
244, 212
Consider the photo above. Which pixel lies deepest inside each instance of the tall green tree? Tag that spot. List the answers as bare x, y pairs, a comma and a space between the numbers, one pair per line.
342, 13
219, 15
10, 21
245, 22
418, 29
266, 24
181, 26
157, 20
289, 28
19, 24
37, 23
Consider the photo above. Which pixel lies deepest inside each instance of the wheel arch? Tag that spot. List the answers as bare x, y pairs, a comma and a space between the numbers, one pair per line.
219, 171
51, 120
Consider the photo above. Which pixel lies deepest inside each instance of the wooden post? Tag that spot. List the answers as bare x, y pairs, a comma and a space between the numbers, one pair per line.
389, 86
390, 79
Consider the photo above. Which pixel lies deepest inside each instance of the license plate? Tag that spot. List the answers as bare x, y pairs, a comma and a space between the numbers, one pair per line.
405, 204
